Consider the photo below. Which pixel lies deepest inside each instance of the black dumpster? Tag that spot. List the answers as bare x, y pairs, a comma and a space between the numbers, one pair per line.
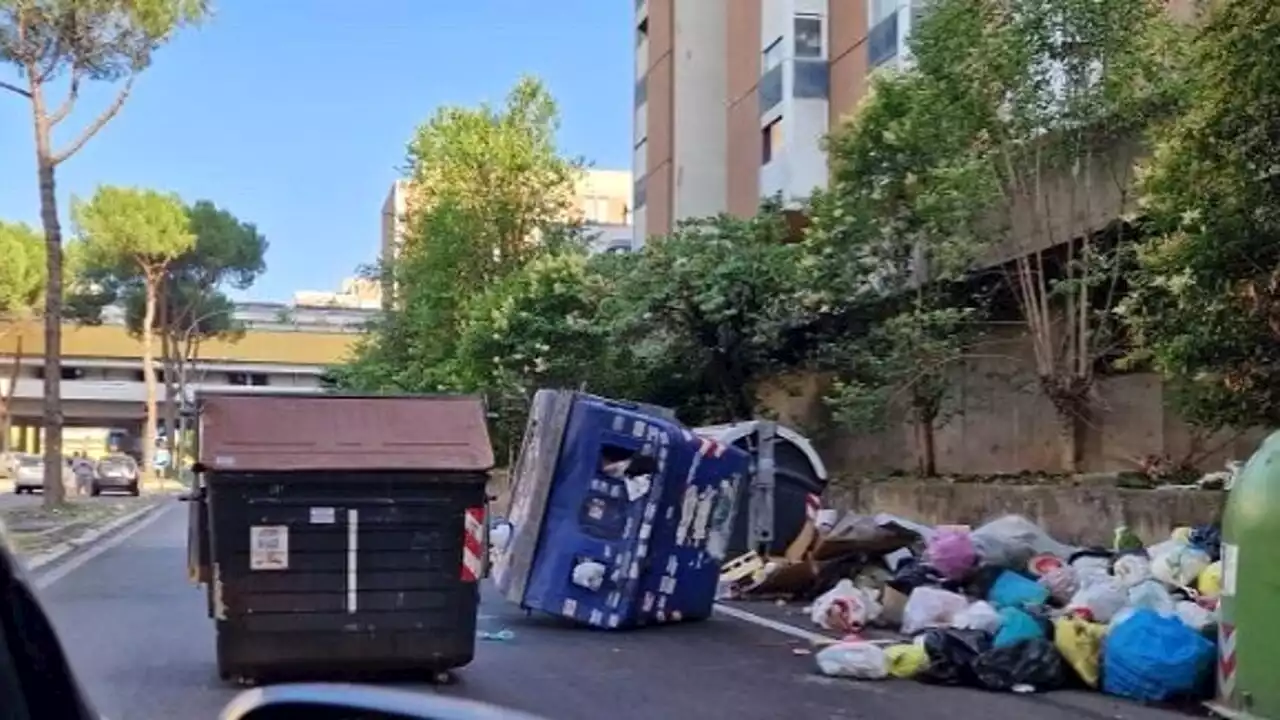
341, 534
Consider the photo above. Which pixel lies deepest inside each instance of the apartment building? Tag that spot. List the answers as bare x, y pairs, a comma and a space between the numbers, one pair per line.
680, 145
733, 97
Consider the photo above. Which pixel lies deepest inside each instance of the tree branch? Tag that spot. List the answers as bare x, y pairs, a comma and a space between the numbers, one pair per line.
72, 95
14, 88
97, 124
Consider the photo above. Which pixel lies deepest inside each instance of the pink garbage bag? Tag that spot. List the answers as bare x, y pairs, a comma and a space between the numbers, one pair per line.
951, 553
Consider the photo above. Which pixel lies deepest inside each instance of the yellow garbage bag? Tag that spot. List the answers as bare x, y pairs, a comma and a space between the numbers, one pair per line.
1080, 643
1182, 535
906, 661
1209, 583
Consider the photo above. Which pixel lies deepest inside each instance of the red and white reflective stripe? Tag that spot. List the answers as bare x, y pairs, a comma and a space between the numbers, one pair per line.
1226, 662
812, 505
709, 448
473, 544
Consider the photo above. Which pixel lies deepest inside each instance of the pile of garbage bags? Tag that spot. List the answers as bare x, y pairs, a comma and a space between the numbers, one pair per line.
1006, 607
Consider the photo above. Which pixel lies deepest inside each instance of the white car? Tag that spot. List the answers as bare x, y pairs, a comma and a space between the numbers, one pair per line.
28, 476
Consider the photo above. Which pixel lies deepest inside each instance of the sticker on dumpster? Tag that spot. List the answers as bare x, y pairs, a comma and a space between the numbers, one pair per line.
269, 547
1230, 567
323, 516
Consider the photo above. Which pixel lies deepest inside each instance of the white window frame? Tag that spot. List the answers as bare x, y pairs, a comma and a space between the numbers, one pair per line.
795, 39
772, 55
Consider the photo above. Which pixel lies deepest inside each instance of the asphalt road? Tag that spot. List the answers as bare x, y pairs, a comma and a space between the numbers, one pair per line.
139, 638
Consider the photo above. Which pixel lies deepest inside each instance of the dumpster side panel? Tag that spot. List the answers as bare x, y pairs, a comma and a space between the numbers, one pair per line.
340, 572
694, 534
596, 517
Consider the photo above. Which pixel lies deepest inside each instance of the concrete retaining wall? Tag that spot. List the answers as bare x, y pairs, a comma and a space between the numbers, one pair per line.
1081, 514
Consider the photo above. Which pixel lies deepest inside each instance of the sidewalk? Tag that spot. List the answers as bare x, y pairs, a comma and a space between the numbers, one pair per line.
31, 530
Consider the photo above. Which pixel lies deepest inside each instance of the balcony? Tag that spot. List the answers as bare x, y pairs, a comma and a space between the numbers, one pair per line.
127, 391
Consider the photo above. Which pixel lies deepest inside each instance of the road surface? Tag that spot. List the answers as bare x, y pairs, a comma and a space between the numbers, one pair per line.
138, 636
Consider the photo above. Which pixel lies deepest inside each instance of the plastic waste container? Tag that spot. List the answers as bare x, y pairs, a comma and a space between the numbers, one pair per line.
341, 534
618, 517
1248, 630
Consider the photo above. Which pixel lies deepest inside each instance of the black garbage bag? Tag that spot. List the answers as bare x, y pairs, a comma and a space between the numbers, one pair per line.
951, 654
978, 584
1034, 662
912, 574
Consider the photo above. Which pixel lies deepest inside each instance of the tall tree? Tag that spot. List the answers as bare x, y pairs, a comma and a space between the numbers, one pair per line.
1050, 100
22, 281
488, 192
79, 41
1206, 310
127, 232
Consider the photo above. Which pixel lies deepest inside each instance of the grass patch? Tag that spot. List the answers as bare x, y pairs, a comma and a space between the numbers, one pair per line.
34, 529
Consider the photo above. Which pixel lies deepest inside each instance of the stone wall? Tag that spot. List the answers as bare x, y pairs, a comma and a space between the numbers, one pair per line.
1080, 514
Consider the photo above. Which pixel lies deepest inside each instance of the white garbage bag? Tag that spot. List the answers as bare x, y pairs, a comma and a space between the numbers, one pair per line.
1131, 570
1193, 615
1176, 564
845, 608
1012, 540
929, 607
859, 660
1150, 594
1092, 569
1102, 600
978, 616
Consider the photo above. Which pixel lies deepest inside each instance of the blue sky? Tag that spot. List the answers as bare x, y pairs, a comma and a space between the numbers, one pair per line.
294, 114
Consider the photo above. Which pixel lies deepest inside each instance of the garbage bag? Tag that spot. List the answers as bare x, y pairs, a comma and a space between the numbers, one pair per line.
1154, 659
929, 607
1207, 538
845, 608
1193, 615
1012, 589
1177, 564
1092, 566
913, 574
1011, 541
1125, 540
951, 654
1151, 595
1061, 583
1100, 601
979, 582
1080, 643
906, 661
1017, 625
978, 616
858, 660
951, 552
1210, 581
1035, 663
1132, 569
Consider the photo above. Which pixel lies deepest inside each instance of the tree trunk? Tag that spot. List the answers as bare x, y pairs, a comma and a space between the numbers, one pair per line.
54, 492
6, 404
1070, 435
149, 376
167, 348
926, 444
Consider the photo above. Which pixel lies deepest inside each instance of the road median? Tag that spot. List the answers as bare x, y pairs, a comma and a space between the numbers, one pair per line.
42, 537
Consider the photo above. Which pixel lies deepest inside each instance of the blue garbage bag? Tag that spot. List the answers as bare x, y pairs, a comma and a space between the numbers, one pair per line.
1153, 658
1017, 625
1012, 589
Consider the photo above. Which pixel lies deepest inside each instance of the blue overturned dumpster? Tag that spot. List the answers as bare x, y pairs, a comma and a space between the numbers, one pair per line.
620, 517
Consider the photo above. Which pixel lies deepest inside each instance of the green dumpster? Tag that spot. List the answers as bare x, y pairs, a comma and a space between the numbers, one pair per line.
1249, 630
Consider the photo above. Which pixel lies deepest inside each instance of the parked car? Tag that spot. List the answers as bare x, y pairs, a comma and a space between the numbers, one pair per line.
28, 476
116, 472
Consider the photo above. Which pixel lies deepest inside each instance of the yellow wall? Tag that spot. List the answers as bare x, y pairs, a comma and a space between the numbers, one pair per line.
113, 342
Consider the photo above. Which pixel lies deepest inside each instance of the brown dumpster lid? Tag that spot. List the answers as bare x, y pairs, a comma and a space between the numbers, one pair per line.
266, 432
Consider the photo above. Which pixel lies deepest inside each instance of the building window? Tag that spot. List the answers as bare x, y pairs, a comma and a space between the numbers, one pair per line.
642, 32
772, 56
641, 193
808, 31
882, 39
71, 373
247, 379
642, 90
770, 141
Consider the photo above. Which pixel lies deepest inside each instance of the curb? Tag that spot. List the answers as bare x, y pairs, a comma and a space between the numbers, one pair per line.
60, 552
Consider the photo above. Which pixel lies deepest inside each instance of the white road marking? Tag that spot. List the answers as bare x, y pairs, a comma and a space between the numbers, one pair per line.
78, 561
784, 628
